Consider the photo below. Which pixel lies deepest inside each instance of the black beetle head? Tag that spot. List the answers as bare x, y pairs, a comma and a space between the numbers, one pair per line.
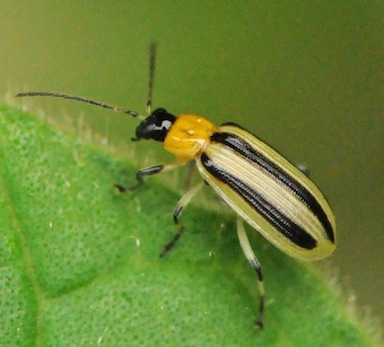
155, 126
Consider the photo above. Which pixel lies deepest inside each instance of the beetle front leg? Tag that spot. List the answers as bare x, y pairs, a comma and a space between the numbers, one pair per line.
149, 171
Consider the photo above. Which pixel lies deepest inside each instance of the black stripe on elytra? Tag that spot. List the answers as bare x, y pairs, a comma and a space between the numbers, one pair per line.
247, 151
275, 217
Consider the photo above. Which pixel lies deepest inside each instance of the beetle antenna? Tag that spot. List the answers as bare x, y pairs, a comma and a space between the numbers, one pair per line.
81, 99
152, 61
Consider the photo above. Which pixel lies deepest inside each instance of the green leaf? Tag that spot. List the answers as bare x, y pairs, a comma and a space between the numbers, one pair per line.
80, 266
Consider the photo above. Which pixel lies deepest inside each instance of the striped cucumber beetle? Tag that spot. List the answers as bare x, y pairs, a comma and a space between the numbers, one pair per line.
261, 186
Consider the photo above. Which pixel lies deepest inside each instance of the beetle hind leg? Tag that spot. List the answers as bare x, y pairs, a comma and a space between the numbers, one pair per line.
250, 255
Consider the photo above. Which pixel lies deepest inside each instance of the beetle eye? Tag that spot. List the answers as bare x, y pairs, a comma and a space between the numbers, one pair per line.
155, 126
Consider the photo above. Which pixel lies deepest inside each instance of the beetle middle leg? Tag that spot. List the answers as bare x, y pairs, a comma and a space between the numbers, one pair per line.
183, 202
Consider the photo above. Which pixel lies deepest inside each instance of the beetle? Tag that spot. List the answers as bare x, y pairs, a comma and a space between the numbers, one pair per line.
263, 188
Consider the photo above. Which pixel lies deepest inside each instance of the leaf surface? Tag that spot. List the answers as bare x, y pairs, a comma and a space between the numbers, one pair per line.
79, 263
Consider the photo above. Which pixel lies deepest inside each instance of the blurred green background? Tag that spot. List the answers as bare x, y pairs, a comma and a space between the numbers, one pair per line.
307, 77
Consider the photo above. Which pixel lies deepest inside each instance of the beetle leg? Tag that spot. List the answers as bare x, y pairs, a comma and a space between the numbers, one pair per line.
183, 202
190, 175
303, 168
250, 255
149, 171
